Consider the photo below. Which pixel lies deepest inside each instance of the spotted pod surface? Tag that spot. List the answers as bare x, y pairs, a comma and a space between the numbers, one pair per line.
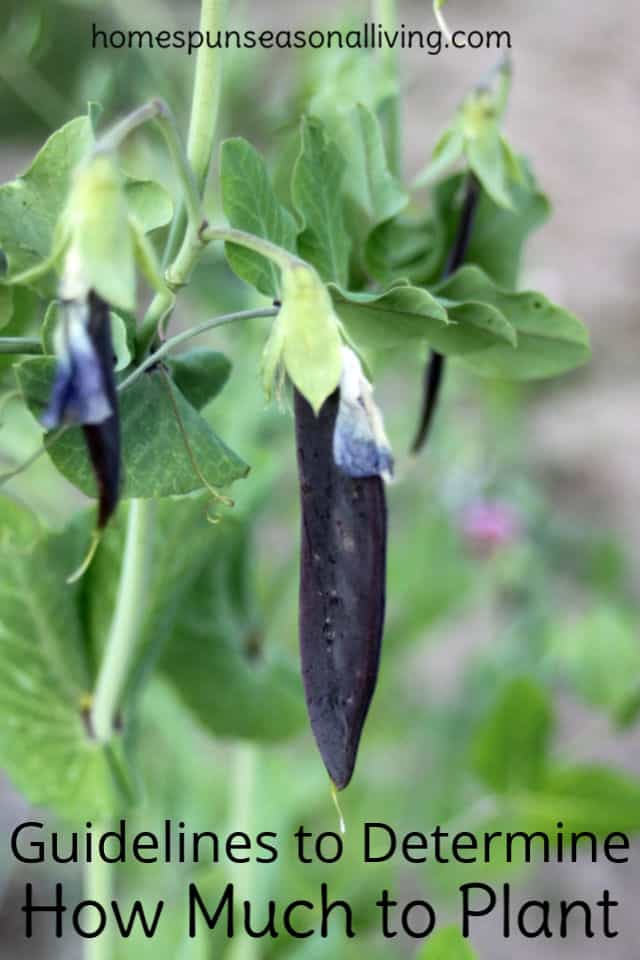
103, 439
342, 588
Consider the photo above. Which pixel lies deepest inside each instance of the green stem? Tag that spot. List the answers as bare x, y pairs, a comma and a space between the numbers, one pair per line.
24, 345
202, 133
123, 635
243, 816
193, 200
180, 338
98, 887
206, 94
271, 251
385, 13
195, 241
442, 23
113, 138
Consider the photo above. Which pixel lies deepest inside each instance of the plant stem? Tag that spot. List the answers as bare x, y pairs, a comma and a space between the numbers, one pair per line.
98, 887
242, 815
123, 634
113, 138
206, 94
202, 133
185, 335
24, 345
271, 251
385, 13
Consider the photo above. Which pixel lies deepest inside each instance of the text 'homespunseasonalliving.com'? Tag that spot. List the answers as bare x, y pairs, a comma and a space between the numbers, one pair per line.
370, 36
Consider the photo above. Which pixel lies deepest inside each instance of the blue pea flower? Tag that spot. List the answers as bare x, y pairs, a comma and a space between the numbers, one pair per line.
81, 391
84, 391
360, 445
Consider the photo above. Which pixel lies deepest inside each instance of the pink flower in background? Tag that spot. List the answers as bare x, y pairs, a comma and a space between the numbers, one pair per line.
488, 525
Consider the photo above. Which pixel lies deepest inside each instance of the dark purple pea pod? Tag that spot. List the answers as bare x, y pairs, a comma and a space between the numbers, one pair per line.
434, 371
342, 588
84, 393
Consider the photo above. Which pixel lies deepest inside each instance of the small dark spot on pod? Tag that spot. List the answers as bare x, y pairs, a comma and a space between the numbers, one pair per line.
342, 589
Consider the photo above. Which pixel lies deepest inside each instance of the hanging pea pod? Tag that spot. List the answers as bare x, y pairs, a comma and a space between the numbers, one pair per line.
434, 370
343, 564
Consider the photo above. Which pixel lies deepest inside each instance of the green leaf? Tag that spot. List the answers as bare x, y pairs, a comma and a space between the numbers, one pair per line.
448, 943
149, 203
599, 655
406, 248
372, 193
403, 312
31, 205
250, 204
447, 150
155, 459
498, 235
202, 623
200, 375
591, 798
509, 749
418, 249
45, 676
183, 539
217, 658
317, 195
486, 157
550, 340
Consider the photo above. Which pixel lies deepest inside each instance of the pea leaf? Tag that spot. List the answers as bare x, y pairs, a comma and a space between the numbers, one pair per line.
149, 203
447, 150
45, 675
250, 204
217, 658
509, 749
406, 248
591, 798
550, 340
498, 236
202, 624
404, 312
155, 457
487, 158
30, 206
183, 539
599, 655
316, 192
200, 375
448, 943
372, 193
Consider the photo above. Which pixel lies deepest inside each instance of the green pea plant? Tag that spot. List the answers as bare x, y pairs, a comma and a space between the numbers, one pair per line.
345, 269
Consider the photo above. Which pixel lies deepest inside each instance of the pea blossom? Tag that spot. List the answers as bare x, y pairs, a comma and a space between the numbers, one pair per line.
84, 390
360, 445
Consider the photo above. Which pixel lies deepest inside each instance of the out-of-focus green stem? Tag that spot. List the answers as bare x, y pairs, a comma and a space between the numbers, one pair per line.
385, 13
127, 616
24, 345
98, 887
200, 142
242, 816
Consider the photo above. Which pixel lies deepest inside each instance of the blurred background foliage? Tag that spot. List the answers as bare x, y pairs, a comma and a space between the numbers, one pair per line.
510, 673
